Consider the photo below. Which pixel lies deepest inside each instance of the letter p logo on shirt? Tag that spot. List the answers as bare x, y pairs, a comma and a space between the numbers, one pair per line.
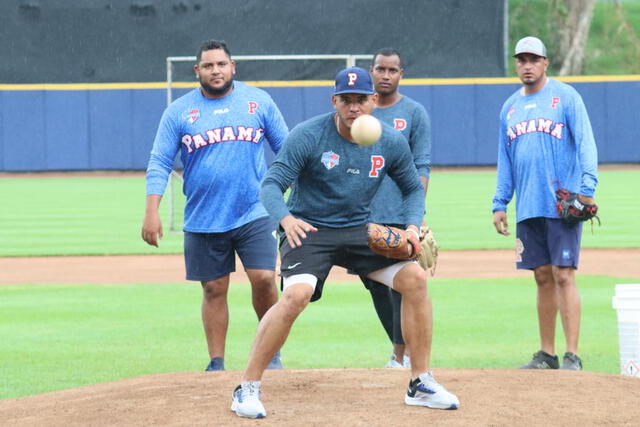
377, 163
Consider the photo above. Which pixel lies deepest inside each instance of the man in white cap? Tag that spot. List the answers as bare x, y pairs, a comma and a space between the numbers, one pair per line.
546, 143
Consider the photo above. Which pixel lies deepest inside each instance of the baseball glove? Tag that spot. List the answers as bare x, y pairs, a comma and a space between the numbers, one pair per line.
392, 242
572, 209
428, 257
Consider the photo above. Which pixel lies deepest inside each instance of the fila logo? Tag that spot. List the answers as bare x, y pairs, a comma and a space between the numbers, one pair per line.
352, 79
253, 106
555, 101
399, 124
377, 163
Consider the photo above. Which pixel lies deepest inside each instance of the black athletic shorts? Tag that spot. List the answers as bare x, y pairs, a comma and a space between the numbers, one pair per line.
345, 247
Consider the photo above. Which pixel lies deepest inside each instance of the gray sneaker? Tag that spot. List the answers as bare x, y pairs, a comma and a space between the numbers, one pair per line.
425, 391
542, 360
246, 400
571, 362
275, 363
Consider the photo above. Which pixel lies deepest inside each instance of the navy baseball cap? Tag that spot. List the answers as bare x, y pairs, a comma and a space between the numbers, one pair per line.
353, 80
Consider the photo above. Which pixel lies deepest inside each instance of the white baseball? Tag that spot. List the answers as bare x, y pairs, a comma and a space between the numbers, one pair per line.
366, 130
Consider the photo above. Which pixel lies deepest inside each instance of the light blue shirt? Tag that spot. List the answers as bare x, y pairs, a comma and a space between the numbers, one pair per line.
221, 143
545, 143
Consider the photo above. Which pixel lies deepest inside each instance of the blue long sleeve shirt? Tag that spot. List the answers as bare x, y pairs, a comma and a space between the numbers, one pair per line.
546, 142
221, 143
334, 180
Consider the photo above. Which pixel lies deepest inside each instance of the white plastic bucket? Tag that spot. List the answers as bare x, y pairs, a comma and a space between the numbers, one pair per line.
626, 302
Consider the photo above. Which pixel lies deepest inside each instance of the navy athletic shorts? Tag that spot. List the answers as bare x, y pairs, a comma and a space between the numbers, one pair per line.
346, 247
542, 241
209, 256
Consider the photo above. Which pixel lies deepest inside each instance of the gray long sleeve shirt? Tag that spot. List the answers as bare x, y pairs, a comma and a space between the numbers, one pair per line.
334, 180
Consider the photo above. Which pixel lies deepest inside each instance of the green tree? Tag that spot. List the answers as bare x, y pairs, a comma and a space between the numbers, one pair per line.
573, 31
582, 36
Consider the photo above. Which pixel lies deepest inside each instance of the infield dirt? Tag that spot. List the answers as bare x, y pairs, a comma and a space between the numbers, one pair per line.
340, 397
170, 268
345, 397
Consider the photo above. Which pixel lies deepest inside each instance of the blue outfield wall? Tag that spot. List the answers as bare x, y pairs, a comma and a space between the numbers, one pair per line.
87, 127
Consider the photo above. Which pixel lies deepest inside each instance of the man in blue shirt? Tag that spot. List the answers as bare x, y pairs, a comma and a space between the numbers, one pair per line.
411, 119
324, 223
220, 130
546, 142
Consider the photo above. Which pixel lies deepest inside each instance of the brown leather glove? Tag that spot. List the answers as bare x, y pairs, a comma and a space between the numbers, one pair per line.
392, 242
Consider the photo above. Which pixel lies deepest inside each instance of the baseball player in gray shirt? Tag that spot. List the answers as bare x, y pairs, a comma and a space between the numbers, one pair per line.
324, 223
411, 119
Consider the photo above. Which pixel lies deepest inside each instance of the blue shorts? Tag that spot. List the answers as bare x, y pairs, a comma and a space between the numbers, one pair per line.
542, 241
346, 247
209, 256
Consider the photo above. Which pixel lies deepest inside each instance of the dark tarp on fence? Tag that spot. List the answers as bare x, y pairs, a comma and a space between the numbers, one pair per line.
61, 41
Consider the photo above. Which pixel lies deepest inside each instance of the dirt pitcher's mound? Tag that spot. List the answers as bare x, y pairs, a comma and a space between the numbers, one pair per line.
340, 397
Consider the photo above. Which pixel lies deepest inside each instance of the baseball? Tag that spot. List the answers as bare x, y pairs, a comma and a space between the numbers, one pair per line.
366, 130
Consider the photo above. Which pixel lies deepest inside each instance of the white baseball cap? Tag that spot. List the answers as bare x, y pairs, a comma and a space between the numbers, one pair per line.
531, 45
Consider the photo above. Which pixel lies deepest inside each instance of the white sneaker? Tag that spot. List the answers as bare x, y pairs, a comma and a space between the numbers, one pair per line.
393, 363
425, 391
406, 361
246, 400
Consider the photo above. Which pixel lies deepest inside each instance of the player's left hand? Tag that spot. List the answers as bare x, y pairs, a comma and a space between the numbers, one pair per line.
586, 199
413, 236
296, 229
428, 258
574, 208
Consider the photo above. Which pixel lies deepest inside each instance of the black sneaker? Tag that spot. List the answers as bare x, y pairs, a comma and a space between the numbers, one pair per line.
571, 362
542, 360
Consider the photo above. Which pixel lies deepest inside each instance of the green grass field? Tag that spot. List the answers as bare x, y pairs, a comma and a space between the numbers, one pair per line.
54, 337
57, 337
103, 215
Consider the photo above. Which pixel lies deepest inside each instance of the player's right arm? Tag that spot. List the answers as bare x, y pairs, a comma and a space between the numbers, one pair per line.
152, 225
284, 170
165, 147
296, 229
504, 180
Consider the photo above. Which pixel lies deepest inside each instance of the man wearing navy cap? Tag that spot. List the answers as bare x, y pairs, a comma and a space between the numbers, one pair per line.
324, 223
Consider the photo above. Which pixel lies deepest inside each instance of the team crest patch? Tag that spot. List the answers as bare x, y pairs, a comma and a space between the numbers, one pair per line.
330, 159
192, 115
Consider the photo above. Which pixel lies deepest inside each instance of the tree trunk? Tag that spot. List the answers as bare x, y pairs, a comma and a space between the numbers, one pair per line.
573, 34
